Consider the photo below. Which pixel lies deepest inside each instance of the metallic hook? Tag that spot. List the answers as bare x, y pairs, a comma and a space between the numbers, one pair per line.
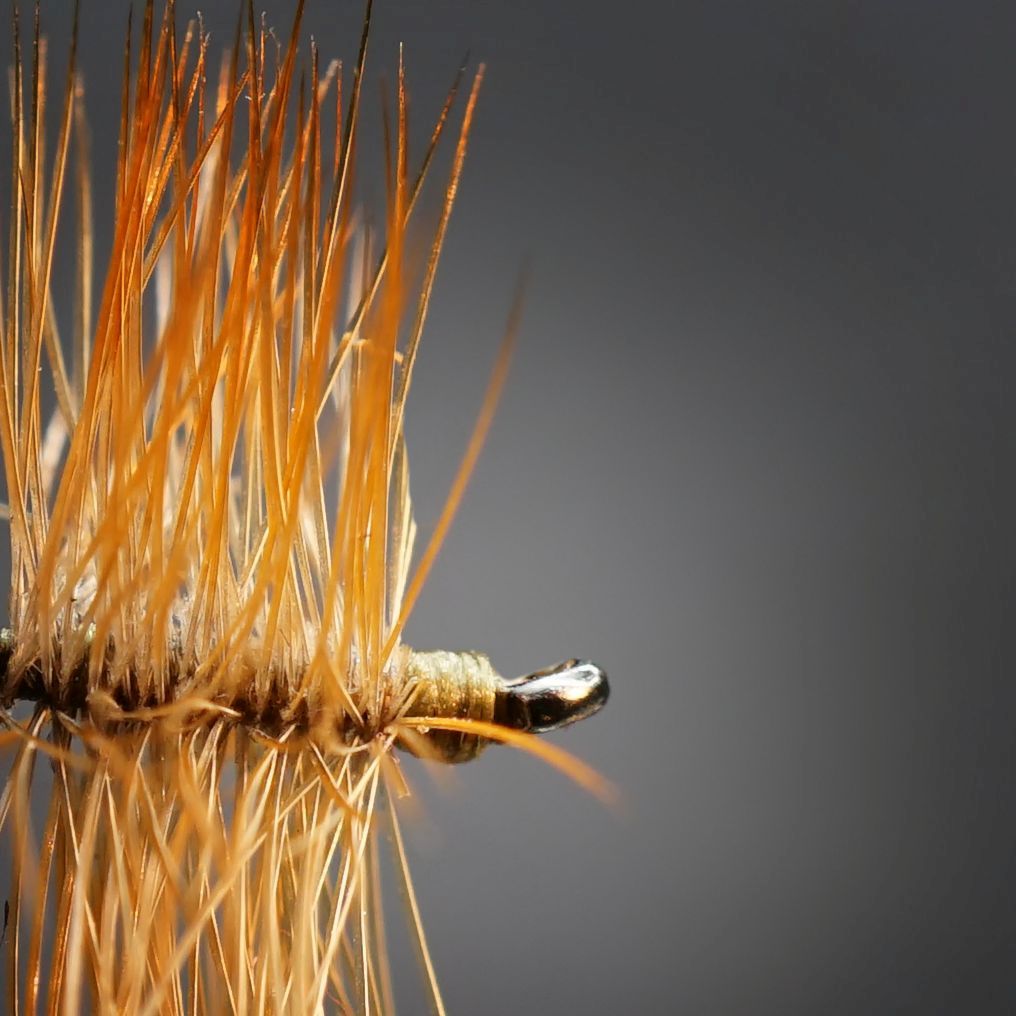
552, 698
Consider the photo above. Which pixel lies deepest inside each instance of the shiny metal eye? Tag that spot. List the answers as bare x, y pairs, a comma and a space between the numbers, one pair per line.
552, 698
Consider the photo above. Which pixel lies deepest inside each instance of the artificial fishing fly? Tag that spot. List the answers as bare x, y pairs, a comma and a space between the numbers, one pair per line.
209, 646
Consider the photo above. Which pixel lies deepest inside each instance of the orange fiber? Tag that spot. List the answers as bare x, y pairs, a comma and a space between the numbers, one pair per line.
211, 534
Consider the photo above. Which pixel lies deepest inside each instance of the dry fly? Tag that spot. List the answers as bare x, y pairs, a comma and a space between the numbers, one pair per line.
204, 685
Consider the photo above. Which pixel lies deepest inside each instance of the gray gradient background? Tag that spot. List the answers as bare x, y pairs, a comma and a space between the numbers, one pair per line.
756, 457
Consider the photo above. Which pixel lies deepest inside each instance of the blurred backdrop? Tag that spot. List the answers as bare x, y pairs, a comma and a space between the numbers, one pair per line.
755, 456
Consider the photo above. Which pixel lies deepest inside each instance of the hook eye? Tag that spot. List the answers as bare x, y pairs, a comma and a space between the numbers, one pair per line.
552, 698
